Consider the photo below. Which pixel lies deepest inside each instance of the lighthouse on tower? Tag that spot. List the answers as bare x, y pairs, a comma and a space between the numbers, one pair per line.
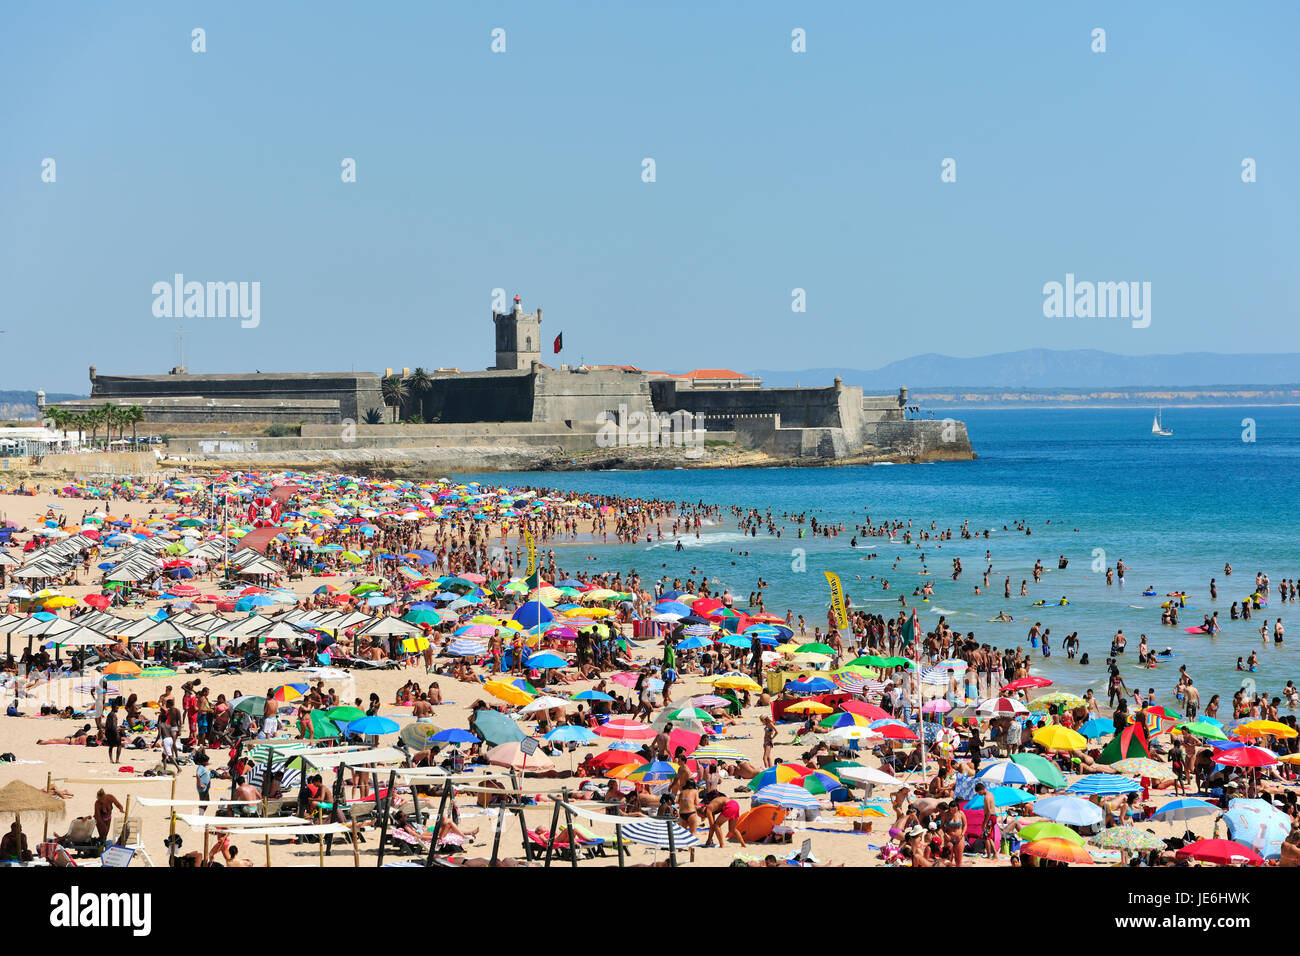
519, 337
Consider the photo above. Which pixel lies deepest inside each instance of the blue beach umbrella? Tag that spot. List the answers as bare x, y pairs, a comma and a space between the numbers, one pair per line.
545, 660
787, 795
1104, 784
1008, 773
693, 643
1002, 797
1185, 809
1259, 825
373, 726
813, 685
454, 736
592, 695
1097, 727
571, 735
1068, 810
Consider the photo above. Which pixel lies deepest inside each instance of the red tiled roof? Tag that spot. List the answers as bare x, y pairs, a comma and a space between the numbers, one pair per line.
713, 373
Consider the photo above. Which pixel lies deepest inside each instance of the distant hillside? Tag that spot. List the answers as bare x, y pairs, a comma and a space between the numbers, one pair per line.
1058, 370
21, 406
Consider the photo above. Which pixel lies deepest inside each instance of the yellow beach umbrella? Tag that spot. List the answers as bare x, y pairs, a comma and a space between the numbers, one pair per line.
507, 692
809, 707
1056, 737
736, 682
1265, 728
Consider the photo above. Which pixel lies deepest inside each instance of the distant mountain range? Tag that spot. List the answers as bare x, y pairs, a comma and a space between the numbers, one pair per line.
1050, 370
21, 406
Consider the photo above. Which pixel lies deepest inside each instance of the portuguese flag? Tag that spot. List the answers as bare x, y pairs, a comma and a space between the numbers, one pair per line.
559, 343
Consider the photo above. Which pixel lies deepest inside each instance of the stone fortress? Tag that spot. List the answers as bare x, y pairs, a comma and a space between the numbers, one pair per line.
522, 405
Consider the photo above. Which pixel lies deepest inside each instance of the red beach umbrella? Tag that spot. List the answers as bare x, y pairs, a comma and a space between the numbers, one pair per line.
1222, 852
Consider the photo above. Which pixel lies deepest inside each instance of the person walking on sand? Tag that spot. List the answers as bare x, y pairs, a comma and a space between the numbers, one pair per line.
769, 738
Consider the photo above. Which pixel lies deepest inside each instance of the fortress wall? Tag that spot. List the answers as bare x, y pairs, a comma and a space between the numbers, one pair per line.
560, 395
500, 397
355, 392
194, 410
798, 407
943, 438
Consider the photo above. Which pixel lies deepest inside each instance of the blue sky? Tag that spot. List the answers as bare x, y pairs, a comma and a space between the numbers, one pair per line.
522, 170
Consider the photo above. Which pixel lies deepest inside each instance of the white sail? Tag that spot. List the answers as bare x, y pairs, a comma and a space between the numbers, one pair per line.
1155, 425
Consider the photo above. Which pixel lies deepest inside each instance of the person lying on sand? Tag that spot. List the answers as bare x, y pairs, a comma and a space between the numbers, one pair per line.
79, 738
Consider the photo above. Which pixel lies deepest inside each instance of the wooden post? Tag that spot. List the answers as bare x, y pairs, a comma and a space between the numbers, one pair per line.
171, 830
442, 807
126, 821
356, 854
672, 844
383, 820
320, 844
49, 788
268, 849
206, 831
618, 836
568, 820
550, 840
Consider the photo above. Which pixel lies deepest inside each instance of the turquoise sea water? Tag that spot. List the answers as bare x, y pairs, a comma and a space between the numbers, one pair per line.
1174, 509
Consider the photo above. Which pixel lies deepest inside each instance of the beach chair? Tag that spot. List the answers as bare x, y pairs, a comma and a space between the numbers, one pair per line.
130, 838
81, 838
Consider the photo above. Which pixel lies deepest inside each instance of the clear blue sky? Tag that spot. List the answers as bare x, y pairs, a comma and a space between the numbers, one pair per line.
522, 170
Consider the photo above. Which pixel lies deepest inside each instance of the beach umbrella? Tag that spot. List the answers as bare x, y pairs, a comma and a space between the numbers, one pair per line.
808, 707
344, 712
571, 734
507, 692
495, 727
454, 736
872, 776
1259, 825
626, 729
373, 726
1128, 838
1264, 728
657, 771
18, 798
891, 730
1008, 773
688, 713
735, 682
543, 703
780, 773
616, 758
1104, 784
290, 692
465, 648
1056, 737
1245, 757
1048, 773
693, 643
1144, 767
250, 704
1062, 851
717, 751
157, 671
1202, 729
1050, 830
1002, 797
1097, 727
1069, 810
843, 720
864, 709
1001, 705
545, 660
787, 795
1061, 699
98, 601
418, 735
1222, 852
512, 755
121, 670
655, 833
1185, 808
592, 695
1025, 683
813, 685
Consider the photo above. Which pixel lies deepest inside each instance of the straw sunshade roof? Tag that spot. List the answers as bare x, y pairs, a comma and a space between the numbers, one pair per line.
18, 797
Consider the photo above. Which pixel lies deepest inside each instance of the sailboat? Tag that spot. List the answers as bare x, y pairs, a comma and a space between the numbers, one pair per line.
1157, 428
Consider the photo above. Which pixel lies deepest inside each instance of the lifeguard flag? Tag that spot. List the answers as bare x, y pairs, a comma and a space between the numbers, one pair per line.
910, 629
559, 343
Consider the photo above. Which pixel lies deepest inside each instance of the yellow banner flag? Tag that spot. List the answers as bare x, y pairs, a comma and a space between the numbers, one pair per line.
837, 600
532, 552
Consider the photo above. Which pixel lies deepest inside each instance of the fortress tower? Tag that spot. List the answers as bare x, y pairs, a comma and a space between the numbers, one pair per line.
519, 337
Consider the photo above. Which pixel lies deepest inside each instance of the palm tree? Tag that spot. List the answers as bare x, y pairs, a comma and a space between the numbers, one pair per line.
59, 418
133, 415
395, 393
373, 416
420, 382
110, 416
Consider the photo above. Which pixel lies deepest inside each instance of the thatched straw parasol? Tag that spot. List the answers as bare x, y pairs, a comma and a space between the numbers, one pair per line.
19, 798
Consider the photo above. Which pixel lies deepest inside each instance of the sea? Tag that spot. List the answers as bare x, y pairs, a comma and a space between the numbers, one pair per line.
1092, 484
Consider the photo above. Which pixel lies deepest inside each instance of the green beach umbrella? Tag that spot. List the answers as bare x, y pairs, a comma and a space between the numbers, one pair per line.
344, 713
1202, 729
1048, 773
1047, 829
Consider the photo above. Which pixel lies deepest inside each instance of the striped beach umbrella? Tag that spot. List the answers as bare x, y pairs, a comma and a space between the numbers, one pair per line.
717, 752
1008, 773
466, 647
655, 833
626, 729
1103, 784
787, 795
1052, 848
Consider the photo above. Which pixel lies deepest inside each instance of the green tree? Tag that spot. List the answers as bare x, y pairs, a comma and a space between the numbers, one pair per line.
133, 416
373, 416
419, 383
395, 393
